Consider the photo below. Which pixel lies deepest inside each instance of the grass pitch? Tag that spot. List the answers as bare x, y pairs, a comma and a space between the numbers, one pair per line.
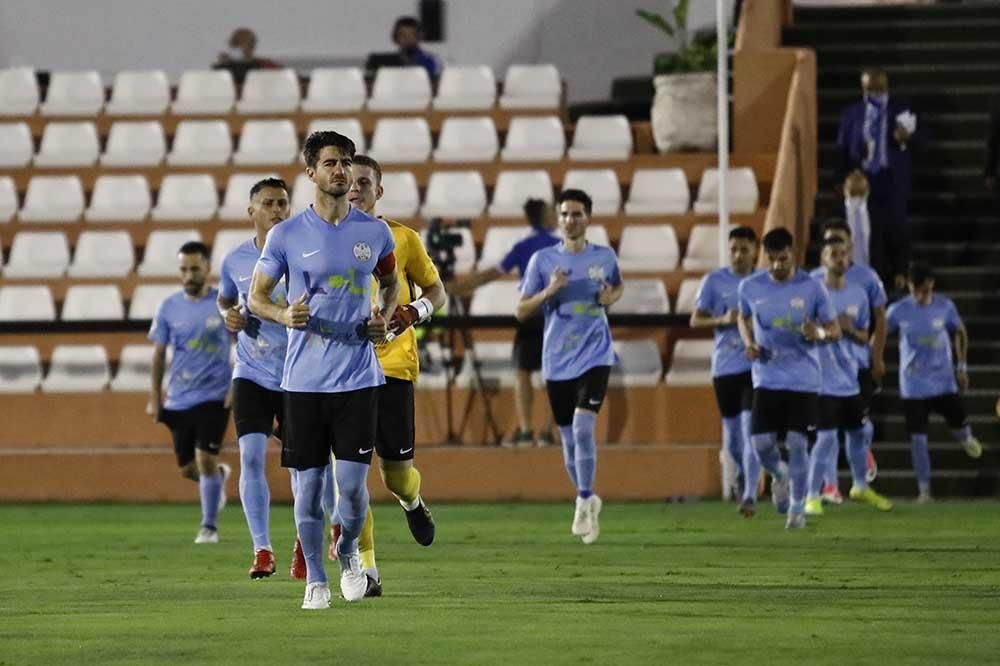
677, 584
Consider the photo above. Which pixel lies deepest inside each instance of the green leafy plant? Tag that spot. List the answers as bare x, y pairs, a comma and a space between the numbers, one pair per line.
695, 53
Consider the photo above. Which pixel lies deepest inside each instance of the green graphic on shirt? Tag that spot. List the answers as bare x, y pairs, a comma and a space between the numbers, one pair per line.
785, 323
930, 341
349, 281
584, 309
206, 344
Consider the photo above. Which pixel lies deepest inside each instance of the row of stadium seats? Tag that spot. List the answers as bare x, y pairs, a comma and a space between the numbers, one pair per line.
81, 93
458, 194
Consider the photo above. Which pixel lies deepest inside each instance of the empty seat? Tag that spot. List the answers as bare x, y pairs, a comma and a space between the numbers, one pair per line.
401, 140
8, 199
602, 186
136, 93
205, 92
93, 302
224, 242
77, 369
335, 89
648, 247
20, 369
498, 242
303, 193
38, 254
19, 93
471, 139
601, 138
201, 142
513, 188
534, 139
186, 197
74, 94
16, 146
658, 192
597, 234
147, 297
643, 297
686, 295
267, 142
134, 143
269, 91
702, 248
639, 363
135, 365
495, 298
495, 365
162, 247
433, 371
741, 192
466, 87
691, 364
102, 254
52, 199
454, 194
29, 303
400, 89
349, 127
465, 251
68, 144
531, 87
237, 197
401, 196
119, 199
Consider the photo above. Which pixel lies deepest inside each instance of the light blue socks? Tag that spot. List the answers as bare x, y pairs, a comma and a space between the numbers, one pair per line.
586, 451
254, 492
309, 520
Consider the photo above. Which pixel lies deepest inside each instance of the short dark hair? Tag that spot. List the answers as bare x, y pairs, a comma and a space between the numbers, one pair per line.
836, 240
778, 239
919, 272
276, 183
534, 211
371, 163
195, 247
837, 224
743, 233
405, 22
579, 196
317, 141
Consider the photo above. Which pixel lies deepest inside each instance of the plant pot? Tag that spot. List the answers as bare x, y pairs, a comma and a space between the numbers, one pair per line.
684, 112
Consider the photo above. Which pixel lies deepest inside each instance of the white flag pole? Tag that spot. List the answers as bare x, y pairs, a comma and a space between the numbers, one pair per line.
722, 95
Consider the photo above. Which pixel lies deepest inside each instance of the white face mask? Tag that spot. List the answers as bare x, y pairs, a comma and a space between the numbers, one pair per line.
235, 53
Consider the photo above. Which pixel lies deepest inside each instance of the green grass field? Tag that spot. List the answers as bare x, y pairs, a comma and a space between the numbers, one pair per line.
678, 584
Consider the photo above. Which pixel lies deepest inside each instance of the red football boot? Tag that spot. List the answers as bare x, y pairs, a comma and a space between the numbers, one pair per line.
298, 570
334, 537
263, 564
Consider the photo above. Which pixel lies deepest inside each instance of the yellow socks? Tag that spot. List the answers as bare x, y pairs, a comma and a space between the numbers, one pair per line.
403, 483
366, 542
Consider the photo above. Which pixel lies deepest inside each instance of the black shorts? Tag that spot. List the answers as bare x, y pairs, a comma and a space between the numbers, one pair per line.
200, 427
256, 409
867, 384
733, 393
840, 413
586, 392
317, 424
395, 432
948, 405
783, 411
528, 347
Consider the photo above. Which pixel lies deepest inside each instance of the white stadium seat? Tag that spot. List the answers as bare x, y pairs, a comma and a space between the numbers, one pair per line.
68, 144
401, 196
467, 139
702, 248
119, 199
601, 138
658, 192
469, 87
741, 192
513, 188
531, 87
147, 297
267, 142
465, 252
136, 93
270, 91
77, 369
639, 363
93, 302
643, 297
433, 374
16, 146
21, 369
52, 199
162, 247
349, 127
201, 142
400, 89
27, 303
648, 248
133, 143
602, 186
495, 298
498, 242
102, 254
74, 94
597, 234
224, 242
201, 92
303, 193
135, 364
691, 364
686, 295
8, 199
534, 139
19, 92
335, 89
401, 140
454, 194
237, 198
36, 254
496, 367
186, 197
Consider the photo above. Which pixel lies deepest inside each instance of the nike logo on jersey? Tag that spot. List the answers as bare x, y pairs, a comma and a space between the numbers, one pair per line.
244, 279
365, 452
306, 255
760, 301
403, 452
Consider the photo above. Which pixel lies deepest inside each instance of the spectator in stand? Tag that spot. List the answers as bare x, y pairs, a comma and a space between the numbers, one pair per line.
240, 56
992, 151
406, 34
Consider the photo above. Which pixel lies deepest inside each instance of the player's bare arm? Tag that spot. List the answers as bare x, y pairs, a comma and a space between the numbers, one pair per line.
467, 285
231, 313
433, 296
745, 325
609, 294
878, 337
703, 319
852, 332
156, 381
815, 332
528, 306
961, 343
295, 315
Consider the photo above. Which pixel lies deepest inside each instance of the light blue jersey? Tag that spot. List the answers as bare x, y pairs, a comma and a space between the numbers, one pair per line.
867, 279
334, 265
925, 361
716, 296
261, 345
577, 336
789, 362
199, 371
838, 360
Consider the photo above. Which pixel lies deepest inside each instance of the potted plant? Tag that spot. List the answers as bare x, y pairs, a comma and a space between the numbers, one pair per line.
683, 112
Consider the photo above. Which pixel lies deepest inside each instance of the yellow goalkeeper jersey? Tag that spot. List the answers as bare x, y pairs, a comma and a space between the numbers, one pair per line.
413, 267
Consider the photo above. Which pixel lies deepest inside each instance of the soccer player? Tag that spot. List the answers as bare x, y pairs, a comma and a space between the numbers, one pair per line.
396, 431
327, 255
195, 409
784, 313
928, 325
573, 284
840, 403
716, 307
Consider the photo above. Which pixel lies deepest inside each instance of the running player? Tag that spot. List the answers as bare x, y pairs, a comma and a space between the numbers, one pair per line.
840, 404
784, 313
574, 283
327, 254
930, 377
195, 409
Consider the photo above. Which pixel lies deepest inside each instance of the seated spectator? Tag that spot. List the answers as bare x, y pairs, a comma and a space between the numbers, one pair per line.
406, 34
240, 56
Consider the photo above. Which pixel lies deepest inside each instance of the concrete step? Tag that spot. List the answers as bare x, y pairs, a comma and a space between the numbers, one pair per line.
977, 400
970, 10
878, 54
944, 205
986, 428
907, 75
965, 254
892, 31
934, 180
938, 126
980, 376
968, 278
943, 97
